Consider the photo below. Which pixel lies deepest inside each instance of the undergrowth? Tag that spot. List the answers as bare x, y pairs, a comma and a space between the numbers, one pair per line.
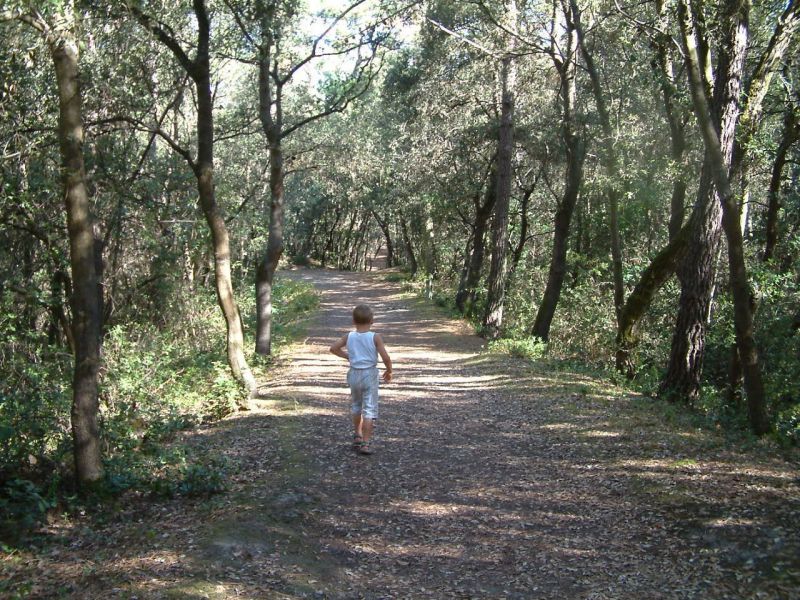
582, 341
156, 383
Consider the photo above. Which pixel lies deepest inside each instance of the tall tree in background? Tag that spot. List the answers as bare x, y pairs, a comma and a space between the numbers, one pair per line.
564, 53
496, 282
697, 269
279, 59
718, 156
199, 70
58, 30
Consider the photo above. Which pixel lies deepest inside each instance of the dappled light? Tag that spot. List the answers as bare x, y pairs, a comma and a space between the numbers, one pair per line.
491, 478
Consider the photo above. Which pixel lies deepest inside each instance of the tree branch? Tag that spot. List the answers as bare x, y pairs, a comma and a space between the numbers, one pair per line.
166, 36
317, 41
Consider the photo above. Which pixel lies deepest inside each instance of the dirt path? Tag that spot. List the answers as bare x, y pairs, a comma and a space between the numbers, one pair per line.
491, 479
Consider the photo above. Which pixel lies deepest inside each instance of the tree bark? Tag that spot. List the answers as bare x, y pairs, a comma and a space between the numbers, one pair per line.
465, 297
716, 148
573, 177
86, 310
790, 134
493, 315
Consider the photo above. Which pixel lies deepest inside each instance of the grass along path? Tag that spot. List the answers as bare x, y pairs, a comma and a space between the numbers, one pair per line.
492, 478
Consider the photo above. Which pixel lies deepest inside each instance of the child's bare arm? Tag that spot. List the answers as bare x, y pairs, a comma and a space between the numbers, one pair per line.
381, 348
338, 348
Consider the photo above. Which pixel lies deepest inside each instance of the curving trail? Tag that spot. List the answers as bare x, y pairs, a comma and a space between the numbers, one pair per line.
492, 478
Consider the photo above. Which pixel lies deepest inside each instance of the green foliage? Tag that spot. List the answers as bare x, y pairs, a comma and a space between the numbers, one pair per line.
21, 507
157, 383
527, 348
397, 277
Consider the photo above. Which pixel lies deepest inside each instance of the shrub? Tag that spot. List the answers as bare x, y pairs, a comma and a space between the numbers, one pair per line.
157, 380
21, 506
527, 348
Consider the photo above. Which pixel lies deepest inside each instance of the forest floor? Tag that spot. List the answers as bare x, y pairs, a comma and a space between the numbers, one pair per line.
493, 477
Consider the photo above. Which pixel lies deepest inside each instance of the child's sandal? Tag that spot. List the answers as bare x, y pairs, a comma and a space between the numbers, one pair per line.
365, 449
358, 441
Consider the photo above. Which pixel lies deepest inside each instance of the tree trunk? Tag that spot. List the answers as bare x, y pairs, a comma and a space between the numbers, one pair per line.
204, 171
331, 233
465, 297
384, 225
697, 270
272, 128
86, 310
200, 71
412, 259
717, 148
610, 160
265, 275
524, 225
791, 133
663, 68
219, 237
657, 273
493, 315
573, 177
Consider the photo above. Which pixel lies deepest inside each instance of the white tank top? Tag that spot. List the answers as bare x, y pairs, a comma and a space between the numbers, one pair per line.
361, 349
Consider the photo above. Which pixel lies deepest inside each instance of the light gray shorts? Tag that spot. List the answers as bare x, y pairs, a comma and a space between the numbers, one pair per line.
364, 391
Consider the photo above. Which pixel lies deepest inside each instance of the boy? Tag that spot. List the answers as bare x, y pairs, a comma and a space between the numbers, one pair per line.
363, 347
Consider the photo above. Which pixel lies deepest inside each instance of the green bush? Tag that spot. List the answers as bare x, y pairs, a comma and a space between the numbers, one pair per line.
21, 507
157, 380
397, 277
527, 348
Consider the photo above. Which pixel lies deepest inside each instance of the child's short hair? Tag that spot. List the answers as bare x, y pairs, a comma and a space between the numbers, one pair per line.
362, 315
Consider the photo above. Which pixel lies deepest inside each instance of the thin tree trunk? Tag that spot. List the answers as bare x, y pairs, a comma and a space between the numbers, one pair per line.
519, 248
412, 259
465, 298
272, 127
610, 161
331, 234
791, 133
573, 177
657, 273
663, 68
86, 310
384, 225
496, 283
199, 70
462, 280
265, 275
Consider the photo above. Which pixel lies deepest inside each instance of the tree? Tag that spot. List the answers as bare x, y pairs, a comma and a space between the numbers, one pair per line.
199, 70
566, 63
278, 64
59, 33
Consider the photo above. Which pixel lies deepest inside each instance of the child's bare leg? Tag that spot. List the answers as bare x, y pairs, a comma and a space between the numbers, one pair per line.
357, 425
366, 429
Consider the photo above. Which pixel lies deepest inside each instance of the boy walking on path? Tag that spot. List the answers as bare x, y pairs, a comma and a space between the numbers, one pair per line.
362, 347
